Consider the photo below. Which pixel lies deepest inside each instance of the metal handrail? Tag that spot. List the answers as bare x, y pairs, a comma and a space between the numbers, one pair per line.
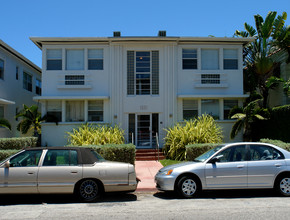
157, 147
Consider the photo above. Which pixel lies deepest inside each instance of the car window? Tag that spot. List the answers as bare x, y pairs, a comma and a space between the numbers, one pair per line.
233, 154
61, 158
26, 159
263, 152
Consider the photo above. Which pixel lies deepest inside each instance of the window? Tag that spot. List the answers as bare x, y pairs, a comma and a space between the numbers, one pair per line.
233, 154
211, 107
61, 158
74, 80
53, 111
262, 152
143, 72
1, 111
26, 159
95, 110
228, 105
189, 59
1, 69
209, 59
230, 59
75, 59
210, 79
190, 109
74, 111
54, 59
95, 59
27, 81
17, 73
38, 87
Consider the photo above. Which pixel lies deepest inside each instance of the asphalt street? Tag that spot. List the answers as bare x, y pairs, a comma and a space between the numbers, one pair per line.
241, 204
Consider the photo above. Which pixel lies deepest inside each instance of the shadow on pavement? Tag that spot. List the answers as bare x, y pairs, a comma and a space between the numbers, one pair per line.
62, 199
222, 194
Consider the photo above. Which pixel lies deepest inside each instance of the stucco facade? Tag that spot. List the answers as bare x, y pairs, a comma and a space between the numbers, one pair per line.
20, 81
143, 84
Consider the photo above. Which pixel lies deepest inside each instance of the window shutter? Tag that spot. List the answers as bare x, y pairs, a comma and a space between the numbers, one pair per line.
155, 72
130, 72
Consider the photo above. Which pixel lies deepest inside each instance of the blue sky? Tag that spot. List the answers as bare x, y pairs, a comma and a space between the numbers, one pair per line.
22, 19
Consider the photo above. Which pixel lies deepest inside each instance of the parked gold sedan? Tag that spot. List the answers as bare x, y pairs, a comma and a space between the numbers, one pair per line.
65, 170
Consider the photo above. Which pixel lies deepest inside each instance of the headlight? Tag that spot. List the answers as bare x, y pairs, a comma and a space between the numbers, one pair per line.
167, 172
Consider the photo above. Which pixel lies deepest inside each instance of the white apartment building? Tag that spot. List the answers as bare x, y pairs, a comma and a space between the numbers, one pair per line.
143, 84
20, 81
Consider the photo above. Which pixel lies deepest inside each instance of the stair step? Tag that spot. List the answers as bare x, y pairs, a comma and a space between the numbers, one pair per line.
149, 154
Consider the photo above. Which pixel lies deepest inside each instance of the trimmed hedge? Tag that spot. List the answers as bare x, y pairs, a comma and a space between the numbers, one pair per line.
17, 143
115, 152
195, 150
7, 153
278, 143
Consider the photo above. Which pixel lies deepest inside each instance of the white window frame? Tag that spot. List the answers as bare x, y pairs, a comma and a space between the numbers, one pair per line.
189, 58
142, 73
26, 81
235, 57
54, 59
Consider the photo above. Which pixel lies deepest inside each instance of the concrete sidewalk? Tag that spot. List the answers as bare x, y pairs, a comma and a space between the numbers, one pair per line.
146, 171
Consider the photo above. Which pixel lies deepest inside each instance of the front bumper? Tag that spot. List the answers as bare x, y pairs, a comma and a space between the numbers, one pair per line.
164, 182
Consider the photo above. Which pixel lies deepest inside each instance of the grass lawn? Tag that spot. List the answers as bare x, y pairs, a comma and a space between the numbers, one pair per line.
167, 162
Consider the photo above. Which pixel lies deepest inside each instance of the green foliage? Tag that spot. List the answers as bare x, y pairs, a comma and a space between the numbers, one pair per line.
167, 162
17, 143
5, 123
204, 129
7, 153
88, 134
278, 143
195, 150
116, 152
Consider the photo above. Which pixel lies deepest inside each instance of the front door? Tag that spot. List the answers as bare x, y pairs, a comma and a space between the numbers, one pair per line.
143, 129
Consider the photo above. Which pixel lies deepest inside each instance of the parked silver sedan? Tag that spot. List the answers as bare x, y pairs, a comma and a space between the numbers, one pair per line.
65, 170
230, 166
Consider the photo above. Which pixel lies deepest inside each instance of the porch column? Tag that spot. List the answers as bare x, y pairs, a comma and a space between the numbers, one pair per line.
86, 110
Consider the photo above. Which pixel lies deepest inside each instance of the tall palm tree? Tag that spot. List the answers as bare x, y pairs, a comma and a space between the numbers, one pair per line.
246, 116
5, 123
270, 35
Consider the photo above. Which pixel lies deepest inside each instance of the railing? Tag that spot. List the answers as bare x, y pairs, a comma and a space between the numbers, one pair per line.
157, 147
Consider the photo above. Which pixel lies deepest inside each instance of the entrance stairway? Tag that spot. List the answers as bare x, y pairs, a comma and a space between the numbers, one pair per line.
149, 154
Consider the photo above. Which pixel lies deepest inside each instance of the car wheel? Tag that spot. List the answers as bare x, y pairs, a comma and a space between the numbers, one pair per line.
89, 190
188, 187
283, 185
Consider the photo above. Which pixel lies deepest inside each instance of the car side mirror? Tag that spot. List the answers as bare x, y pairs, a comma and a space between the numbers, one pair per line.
216, 159
7, 164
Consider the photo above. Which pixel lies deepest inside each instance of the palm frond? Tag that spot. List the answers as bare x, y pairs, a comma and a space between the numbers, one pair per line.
5, 123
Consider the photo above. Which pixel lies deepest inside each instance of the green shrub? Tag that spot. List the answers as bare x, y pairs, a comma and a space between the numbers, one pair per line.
204, 129
195, 150
278, 143
17, 143
88, 134
116, 152
7, 153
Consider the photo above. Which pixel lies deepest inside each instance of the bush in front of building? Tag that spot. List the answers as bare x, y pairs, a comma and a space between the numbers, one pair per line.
204, 129
115, 152
17, 143
278, 143
89, 134
195, 150
7, 153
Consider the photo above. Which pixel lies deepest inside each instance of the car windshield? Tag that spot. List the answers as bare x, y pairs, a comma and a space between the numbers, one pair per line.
98, 156
208, 154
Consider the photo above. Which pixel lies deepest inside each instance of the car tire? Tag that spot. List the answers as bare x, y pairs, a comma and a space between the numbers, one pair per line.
188, 187
89, 190
282, 185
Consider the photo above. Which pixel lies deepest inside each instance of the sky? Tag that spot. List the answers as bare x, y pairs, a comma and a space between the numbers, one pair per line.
21, 19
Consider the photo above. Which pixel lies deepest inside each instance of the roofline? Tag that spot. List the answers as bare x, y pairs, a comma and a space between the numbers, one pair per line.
39, 41
19, 56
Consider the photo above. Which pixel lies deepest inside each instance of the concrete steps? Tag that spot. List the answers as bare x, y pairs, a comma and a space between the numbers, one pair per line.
148, 155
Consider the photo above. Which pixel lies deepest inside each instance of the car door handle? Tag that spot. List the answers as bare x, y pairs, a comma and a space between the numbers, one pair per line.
240, 166
278, 165
74, 172
30, 173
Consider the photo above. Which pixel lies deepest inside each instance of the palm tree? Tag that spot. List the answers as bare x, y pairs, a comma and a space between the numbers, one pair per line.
270, 35
246, 116
5, 123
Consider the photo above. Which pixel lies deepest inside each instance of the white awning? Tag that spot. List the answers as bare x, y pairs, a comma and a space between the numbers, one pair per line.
6, 102
213, 96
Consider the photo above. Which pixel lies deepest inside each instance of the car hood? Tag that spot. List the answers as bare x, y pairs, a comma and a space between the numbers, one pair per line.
176, 166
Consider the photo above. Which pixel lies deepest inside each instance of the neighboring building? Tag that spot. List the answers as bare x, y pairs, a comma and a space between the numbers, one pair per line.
20, 81
144, 84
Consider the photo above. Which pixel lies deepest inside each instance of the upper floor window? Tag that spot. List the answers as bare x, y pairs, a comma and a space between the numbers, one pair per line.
189, 59
54, 59
75, 59
27, 81
230, 59
95, 110
209, 59
1, 69
95, 59
143, 73
38, 87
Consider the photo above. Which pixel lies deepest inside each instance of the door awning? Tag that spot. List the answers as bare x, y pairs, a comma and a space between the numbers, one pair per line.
6, 102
